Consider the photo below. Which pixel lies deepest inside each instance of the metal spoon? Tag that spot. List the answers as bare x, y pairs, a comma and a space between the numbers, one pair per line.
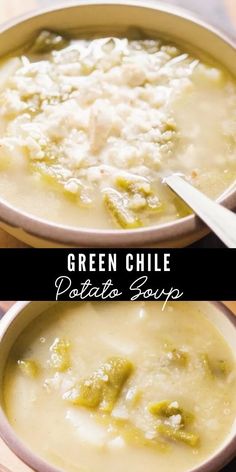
219, 219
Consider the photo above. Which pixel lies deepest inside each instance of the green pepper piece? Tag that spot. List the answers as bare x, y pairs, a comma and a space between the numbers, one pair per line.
118, 371
178, 358
133, 184
60, 358
102, 389
52, 175
132, 434
166, 409
191, 439
135, 437
161, 408
205, 362
218, 368
114, 203
221, 368
87, 393
47, 41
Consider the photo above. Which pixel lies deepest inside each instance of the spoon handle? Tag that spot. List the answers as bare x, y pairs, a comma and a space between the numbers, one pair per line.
219, 219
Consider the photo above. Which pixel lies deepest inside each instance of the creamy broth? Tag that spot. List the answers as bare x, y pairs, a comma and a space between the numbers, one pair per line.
105, 386
89, 129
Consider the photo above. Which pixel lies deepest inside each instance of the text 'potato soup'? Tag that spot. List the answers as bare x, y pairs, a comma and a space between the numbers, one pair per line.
90, 127
95, 387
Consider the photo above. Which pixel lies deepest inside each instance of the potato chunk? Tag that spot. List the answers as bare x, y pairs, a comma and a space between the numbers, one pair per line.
100, 124
7, 69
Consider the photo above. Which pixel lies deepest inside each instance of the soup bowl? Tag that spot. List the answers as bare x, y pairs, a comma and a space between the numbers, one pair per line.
23, 313
100, 16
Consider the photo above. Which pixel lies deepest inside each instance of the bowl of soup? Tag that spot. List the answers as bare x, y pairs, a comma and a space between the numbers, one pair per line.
99, 102
80, 392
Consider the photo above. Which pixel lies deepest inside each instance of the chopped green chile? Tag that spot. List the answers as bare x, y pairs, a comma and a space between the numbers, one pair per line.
102, 389
221, 368
132, 184
135, 186
218, 368
178, 358
162, 409
72, 188
49, 173
53, 175
29, 367
133, 435
47, 41
60, 357
114, 203
206, 364
136, 437
190, 439
166, 409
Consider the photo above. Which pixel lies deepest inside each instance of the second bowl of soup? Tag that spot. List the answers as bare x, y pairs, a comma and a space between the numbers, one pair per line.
93, 119
114, 386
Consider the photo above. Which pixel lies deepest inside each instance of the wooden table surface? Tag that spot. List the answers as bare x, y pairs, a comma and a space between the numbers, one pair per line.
222, 13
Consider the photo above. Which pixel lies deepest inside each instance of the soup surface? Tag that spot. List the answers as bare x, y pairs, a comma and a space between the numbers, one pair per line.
95, 387
89, 129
